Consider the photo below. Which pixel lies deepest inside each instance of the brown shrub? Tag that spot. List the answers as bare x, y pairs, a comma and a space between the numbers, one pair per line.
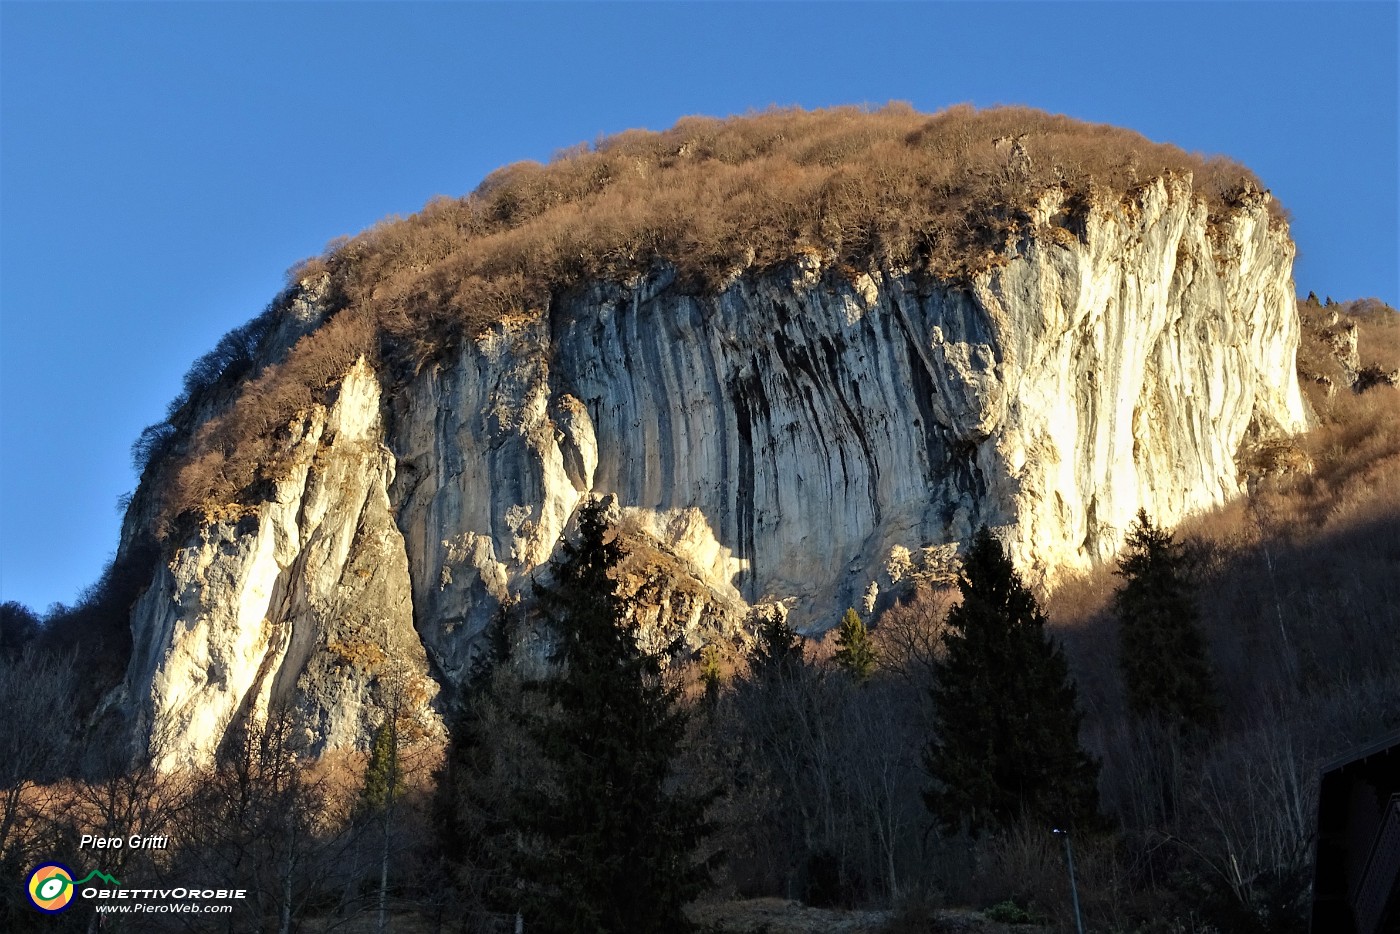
710, 197
908, 636
713, 196
247, 443
1300, 601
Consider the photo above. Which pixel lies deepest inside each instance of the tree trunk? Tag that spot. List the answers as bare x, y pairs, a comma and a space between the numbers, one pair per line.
384, 868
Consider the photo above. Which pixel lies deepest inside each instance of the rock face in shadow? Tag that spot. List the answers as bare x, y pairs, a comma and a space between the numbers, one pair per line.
774, 443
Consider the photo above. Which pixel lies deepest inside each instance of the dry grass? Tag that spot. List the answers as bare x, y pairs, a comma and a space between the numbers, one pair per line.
941, 194
248, 443
1299, 599
1354, 456
1355, 446
780, 916
714, 197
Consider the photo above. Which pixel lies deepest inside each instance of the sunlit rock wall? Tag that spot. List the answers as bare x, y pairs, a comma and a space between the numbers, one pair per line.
776, 442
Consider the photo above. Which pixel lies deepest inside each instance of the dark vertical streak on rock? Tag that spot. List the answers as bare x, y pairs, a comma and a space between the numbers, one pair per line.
746, 391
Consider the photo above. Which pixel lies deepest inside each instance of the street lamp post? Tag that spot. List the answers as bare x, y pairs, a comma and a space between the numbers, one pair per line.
1073, 889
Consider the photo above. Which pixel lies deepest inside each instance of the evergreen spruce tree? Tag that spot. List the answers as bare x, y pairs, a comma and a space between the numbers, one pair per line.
1007, 745
458, 818
854, 652
778, 654
469, 811
497, 650
607, 845
1162, 650
775, 708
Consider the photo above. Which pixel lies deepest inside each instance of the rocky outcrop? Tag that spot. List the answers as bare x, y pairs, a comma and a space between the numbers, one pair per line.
787, 440
303, 600
1331, 337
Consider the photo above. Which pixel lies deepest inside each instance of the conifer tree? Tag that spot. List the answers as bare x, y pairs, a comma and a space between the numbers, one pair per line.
1162, 651
608, 845
778, 654
1007, 744
470, 816
854, 652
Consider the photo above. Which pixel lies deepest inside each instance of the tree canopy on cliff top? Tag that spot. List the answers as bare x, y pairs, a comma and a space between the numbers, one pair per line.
713, 196
941, 194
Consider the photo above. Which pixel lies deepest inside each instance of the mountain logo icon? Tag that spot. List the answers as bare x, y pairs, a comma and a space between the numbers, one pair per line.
51, 888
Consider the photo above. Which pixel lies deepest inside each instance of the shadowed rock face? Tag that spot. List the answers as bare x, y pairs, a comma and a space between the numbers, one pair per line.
777, 442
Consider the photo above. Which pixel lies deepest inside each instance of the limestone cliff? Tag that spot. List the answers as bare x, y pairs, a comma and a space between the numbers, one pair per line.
777, 441
303, 601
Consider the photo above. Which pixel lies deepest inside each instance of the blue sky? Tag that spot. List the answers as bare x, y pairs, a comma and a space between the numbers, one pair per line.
162, 165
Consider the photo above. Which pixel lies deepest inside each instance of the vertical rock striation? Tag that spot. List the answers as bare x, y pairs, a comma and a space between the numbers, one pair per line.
776, 441
302, 600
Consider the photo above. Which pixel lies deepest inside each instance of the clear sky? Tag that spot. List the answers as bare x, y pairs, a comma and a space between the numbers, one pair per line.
161, 165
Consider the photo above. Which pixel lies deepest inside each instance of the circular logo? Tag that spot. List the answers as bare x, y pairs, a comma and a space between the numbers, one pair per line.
51, 888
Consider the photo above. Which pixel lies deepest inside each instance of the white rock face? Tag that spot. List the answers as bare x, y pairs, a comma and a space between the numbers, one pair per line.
303, 601
786, 441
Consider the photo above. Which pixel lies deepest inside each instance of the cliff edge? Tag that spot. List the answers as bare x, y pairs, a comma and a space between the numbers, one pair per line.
797, 429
